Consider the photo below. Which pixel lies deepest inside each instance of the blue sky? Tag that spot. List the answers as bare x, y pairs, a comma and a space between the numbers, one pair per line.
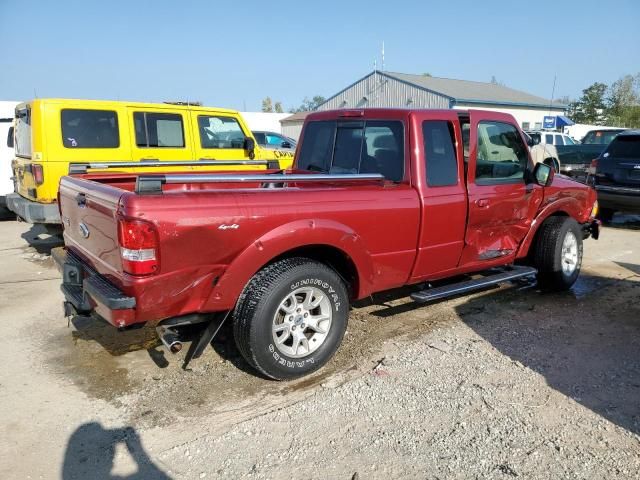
232, 53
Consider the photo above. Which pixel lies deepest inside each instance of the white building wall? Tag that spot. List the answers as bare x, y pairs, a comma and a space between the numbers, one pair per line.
7, 111
533, 116
263, 121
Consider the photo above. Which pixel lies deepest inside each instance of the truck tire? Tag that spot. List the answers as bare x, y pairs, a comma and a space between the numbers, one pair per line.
558, 253
291, 317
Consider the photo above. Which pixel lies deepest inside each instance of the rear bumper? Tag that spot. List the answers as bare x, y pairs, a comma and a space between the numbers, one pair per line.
619, 198
33, 212
87, 292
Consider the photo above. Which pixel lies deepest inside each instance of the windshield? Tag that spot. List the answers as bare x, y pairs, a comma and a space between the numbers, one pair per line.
599, 137
23, 133
626, 146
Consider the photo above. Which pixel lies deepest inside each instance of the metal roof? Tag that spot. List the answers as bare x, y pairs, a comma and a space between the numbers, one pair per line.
466, 91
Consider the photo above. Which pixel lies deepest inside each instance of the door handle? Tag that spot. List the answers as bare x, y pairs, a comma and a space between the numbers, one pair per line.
482, 202
81, 200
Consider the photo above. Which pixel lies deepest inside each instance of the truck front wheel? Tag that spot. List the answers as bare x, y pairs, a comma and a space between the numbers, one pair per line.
291, 317
558, 253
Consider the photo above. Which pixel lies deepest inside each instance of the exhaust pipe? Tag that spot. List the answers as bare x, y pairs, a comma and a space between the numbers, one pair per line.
169, 339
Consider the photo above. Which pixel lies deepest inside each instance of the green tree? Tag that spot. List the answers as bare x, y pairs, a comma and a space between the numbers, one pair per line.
623, 99
267, 105
278, 107
591, 107
309, 105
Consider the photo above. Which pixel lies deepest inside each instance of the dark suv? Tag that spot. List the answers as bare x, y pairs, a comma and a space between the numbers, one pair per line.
617, 175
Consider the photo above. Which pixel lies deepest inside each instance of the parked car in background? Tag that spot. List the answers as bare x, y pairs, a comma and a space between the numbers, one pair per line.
377, 199
574, 158
543, 153
277, 142
551, 138
616, 175
52, 134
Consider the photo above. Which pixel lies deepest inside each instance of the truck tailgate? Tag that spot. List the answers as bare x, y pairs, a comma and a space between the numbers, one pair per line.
89, 216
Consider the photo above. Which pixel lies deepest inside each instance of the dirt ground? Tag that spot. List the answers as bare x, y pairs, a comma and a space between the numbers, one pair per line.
509, 382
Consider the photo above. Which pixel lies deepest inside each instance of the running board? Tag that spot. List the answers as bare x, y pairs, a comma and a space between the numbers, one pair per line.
506, 275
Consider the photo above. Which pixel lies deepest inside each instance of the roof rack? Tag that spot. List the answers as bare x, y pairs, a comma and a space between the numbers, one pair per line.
152, 183
83, 167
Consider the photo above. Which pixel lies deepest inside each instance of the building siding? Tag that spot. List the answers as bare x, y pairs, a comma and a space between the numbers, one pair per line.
377, 91
292, 129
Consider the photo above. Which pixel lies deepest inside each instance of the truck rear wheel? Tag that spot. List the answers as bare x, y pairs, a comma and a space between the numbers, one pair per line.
558, 253
291, 317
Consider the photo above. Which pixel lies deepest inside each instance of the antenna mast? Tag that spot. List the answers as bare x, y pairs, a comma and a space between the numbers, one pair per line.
383, 55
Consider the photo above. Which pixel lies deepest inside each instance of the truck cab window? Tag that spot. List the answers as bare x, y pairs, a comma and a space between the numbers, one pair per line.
501, 154
440, 154
354, 147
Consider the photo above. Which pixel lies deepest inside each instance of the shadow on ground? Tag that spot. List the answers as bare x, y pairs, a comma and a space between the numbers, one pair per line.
586, 344
43, 239
627, 222
91, 453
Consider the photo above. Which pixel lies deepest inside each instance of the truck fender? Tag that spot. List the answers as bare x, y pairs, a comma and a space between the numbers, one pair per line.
568, 207
279, 241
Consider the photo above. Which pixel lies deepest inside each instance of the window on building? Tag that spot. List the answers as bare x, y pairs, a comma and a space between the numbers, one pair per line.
220, 132
440, 154
501, 154
89, 128
526, 125
354, 147
538, 126
161, 130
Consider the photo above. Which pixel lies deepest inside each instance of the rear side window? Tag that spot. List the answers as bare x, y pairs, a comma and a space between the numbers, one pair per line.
374, 146
559, 140
625, 146
89, 128
440, 154
161, 130
22, 133
548, 139
220, 132
502, 155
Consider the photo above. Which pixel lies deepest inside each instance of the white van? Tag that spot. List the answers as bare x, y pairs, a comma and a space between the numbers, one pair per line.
7, 112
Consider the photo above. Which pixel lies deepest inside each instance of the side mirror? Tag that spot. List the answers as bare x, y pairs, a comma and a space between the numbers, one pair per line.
543, 174
530, 141
10, 138
286, 144
250, 147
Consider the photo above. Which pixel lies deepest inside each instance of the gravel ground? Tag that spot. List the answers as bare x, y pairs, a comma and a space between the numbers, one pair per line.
506, 383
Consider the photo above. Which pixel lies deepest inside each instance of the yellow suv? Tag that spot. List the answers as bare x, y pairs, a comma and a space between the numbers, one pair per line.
51, 134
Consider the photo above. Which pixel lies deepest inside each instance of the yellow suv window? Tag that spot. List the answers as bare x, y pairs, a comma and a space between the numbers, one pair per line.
89, 128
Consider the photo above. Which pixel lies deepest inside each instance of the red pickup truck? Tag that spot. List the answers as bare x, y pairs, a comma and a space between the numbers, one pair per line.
376, 199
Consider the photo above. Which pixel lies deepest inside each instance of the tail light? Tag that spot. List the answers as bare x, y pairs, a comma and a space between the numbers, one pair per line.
138, 246
594, 165
38, 173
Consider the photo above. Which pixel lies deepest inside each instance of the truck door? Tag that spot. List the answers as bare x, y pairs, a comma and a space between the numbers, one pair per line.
439, 177
501, 203
160, 134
